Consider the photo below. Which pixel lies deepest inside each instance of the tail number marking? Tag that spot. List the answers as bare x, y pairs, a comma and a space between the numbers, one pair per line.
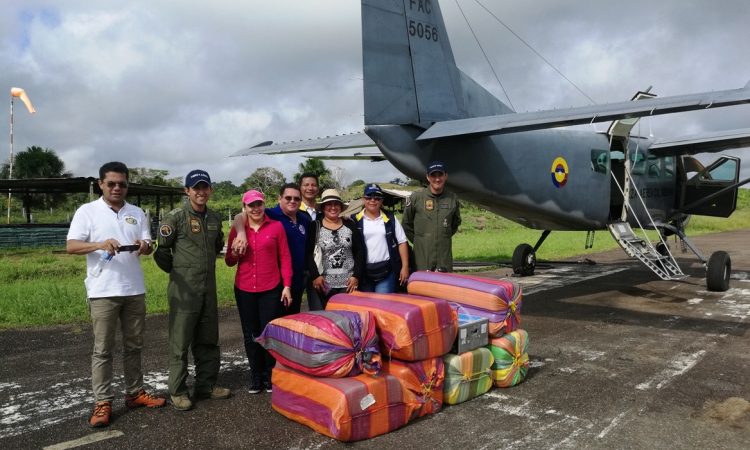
423, 30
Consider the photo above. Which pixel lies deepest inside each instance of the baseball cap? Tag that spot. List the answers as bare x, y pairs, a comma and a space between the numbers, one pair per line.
196, 176
252, 196
372, 189
436, 166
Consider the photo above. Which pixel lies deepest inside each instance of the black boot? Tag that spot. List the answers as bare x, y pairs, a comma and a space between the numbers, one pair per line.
267, 382
257, 385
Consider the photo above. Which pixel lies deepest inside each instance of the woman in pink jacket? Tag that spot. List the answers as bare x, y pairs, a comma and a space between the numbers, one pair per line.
262, 285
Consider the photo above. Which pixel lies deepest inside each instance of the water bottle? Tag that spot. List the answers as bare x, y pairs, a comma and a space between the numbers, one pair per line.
103, 260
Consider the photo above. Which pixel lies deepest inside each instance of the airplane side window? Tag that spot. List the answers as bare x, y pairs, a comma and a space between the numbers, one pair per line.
723, 172
653, 170
599, 161
669, 167
639, 165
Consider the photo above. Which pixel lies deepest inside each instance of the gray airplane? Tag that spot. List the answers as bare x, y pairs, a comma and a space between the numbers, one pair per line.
420, 107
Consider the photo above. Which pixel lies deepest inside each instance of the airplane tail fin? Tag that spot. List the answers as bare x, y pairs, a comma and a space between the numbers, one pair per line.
409, 72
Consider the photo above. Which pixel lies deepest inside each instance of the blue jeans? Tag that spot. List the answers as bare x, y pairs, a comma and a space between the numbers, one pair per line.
385, 286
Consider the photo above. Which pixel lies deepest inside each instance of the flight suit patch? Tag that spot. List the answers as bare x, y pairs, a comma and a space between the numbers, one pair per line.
445, 222
212, 227
445, 206
165, 230
408, 202
429, 205
195, 226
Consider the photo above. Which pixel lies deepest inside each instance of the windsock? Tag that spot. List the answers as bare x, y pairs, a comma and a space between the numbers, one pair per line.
18, 92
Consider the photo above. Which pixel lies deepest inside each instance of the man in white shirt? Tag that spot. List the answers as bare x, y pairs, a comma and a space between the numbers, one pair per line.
309, 185
117, 292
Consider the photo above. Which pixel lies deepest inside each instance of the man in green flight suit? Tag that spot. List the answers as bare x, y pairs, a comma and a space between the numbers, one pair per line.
430, 220
190, 238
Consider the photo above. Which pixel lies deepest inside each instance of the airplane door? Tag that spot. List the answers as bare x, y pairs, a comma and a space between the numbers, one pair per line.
718, 175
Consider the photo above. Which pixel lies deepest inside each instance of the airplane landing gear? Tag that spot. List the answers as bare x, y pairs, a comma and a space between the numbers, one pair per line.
524, 260
718, 271
524, 256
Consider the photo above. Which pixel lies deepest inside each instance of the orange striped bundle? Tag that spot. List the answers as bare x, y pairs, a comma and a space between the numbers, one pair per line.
409, 328
423, 378
347, 409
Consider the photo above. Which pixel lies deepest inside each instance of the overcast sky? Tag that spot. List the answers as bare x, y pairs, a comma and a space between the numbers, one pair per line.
178, 85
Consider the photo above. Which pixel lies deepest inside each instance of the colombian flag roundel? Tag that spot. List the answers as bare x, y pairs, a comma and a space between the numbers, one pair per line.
559, 172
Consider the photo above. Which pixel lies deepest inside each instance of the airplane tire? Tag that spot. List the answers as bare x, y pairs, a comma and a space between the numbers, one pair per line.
524, 260
719, 269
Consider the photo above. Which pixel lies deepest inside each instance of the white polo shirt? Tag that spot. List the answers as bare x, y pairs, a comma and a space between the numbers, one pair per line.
374, 233
309, 210
97, 222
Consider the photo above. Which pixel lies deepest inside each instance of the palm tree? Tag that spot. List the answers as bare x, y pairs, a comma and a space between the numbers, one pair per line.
318, 167
36, 162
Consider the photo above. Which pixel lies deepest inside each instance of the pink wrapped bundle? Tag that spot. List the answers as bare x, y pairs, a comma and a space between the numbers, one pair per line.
410, 328
347, 409
423, 378
491, 296
325, 343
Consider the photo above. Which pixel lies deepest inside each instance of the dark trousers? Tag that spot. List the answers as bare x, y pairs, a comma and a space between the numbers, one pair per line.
256, 309
294, 308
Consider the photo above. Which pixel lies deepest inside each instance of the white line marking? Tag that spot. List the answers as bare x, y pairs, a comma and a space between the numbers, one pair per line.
676, 367
553, 280
95, 437
612, 425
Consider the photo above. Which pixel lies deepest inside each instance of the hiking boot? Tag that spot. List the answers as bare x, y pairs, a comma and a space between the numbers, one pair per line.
100, 418
267, 382
143, 398
181, 402
216, 393
257, 385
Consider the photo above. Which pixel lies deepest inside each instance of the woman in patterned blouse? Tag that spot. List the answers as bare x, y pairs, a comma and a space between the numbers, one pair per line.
341, 245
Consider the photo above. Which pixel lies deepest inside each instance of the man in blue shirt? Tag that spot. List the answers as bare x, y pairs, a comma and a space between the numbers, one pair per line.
295, 223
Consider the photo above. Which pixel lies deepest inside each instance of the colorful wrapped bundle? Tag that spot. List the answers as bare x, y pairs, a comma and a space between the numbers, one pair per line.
325, 343
501, 297
511, 358
466, 375
423, 378
500, 322
410, 328
347, 409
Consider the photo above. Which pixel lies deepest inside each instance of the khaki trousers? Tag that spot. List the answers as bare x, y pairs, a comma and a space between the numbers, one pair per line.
105, 313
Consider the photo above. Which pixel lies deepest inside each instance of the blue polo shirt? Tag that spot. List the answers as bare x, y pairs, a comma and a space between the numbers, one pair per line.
296, 236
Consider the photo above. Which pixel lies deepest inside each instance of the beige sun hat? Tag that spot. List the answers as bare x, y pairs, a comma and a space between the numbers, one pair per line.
329, 195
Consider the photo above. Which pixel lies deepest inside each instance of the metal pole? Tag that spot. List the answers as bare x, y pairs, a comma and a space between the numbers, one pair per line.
10, 172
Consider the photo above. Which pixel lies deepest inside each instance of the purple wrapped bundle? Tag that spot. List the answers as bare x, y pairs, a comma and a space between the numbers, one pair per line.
325, 343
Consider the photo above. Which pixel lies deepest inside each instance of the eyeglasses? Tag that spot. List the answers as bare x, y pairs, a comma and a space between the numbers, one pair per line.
121, 184
373, 197
289, 198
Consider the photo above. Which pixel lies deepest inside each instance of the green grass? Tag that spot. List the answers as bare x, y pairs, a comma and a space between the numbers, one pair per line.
44, 286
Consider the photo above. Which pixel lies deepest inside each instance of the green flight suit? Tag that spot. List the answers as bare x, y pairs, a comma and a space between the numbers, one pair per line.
187, 250
430, 221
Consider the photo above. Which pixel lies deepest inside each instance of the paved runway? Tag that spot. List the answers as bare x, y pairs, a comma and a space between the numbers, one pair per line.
619, 359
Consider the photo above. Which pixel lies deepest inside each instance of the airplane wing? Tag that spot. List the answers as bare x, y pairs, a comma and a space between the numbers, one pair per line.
513, 123
702, 143
339, 142
369, 156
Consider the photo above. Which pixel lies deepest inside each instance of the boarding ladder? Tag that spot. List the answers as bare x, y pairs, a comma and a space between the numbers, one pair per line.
663, 263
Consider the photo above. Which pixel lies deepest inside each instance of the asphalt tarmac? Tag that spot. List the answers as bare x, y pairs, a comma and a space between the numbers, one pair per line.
619, 360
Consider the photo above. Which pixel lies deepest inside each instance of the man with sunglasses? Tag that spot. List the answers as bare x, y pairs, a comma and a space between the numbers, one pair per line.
190, 239
118, 292
430, 220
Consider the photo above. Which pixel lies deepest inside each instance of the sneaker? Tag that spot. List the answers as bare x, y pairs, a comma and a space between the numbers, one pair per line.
267, 383
143, 398
216, 393
181, 402
100, 418
257, 385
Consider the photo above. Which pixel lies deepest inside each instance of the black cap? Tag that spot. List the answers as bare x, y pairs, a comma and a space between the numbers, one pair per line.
436, 166
196, 176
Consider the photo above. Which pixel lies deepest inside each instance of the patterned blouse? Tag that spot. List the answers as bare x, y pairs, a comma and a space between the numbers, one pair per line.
343, 256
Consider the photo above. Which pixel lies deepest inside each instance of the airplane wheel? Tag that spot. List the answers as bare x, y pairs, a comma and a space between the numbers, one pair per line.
662, 249
524, 260
719, 269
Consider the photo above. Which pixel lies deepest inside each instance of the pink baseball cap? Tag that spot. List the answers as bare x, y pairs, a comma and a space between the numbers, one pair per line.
252, 196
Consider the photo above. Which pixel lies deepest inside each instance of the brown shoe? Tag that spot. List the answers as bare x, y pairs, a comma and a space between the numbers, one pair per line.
143, 398
181, 402
100, 418
216, 393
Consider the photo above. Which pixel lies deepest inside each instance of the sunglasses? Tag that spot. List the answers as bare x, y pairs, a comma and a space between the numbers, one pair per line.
121, 184
373, 197
289, 198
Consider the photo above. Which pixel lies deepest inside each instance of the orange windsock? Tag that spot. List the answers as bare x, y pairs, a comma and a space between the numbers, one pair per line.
18, 92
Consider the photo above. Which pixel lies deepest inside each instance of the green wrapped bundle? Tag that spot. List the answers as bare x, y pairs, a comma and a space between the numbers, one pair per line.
467, 375
511, 358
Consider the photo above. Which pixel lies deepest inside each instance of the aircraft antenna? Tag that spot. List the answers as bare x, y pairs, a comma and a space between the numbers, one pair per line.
485, 56
532, 49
